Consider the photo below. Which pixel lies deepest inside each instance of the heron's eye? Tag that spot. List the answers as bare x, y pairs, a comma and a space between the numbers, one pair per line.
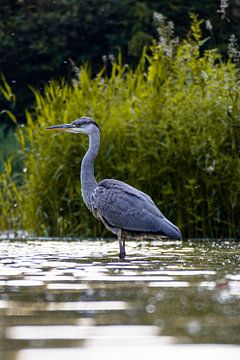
79, 125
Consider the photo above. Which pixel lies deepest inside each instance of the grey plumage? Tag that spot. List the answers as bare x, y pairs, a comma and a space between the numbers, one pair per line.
129, 209
122, 208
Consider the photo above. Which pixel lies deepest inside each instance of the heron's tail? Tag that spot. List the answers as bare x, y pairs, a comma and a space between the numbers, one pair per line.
171, 230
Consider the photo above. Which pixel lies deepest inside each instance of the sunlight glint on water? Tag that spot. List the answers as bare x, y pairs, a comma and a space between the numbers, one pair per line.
72, 300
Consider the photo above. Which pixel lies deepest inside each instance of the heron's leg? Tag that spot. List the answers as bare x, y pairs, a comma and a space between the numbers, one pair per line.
121, 242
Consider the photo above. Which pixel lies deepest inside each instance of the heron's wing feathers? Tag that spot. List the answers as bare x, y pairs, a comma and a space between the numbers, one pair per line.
127, 208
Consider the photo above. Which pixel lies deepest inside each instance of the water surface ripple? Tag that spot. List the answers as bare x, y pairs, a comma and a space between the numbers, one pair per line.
76, 300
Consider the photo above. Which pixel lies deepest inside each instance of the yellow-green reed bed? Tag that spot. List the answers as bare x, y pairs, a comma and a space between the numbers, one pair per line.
171, 127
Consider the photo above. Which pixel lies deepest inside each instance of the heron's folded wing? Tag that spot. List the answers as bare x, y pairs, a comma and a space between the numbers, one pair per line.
125, 207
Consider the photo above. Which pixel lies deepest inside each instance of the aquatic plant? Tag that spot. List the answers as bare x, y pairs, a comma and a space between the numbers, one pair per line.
170, 127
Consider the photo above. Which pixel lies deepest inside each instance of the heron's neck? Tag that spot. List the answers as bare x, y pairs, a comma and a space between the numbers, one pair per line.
88, 181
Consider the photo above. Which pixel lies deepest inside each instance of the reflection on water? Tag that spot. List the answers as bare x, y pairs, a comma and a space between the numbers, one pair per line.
76, 300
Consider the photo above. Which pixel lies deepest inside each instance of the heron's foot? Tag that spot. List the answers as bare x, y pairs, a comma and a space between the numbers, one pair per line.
122, 254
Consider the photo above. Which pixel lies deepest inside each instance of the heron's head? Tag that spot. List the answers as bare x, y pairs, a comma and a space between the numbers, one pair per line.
83, 125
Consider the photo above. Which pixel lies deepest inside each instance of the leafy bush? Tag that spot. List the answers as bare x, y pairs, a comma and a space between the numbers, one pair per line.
170, 127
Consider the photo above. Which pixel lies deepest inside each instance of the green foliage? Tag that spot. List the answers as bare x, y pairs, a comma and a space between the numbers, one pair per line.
170, 128
8, 145
10, 198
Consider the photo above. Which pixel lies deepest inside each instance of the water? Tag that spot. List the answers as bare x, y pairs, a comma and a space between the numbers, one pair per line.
76, 300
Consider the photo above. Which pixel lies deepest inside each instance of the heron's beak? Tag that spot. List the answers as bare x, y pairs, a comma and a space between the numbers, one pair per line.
64, 127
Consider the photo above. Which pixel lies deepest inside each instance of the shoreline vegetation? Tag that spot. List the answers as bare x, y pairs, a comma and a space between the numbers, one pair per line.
170, 127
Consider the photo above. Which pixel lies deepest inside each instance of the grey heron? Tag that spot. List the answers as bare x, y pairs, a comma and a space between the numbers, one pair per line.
122, 208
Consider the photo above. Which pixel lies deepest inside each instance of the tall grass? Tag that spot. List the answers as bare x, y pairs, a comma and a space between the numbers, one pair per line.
170, 127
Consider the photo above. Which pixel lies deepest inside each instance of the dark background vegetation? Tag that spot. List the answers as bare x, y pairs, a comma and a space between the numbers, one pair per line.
39, 39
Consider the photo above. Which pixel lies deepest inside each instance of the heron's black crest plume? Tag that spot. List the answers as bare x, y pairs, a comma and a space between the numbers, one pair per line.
85, 120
